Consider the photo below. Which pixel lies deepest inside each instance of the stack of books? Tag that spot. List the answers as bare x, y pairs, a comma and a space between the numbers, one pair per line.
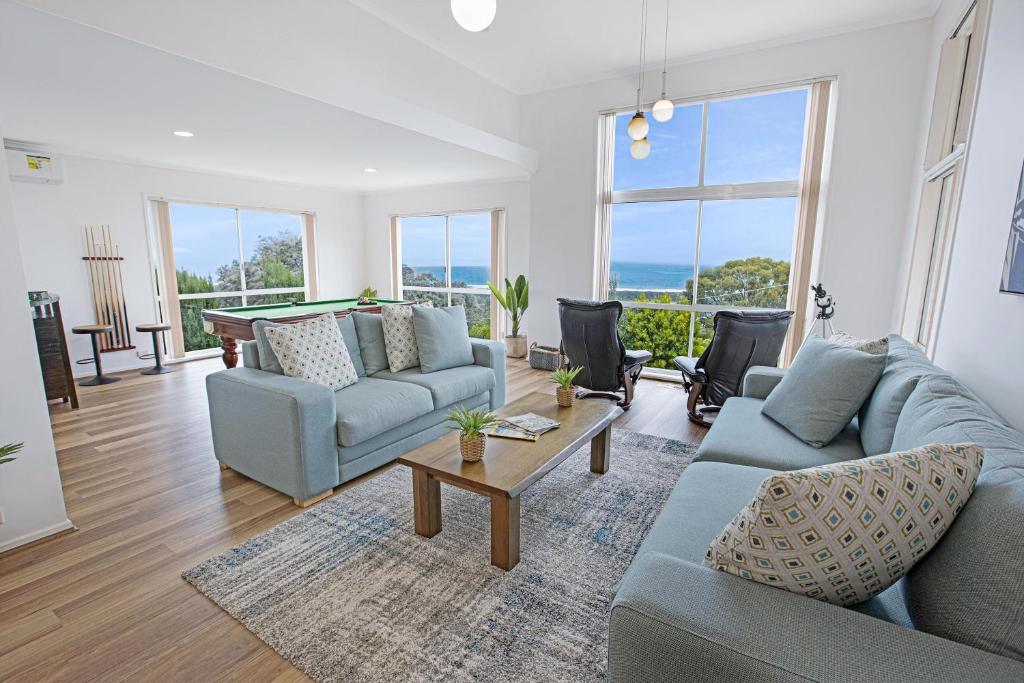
527, 427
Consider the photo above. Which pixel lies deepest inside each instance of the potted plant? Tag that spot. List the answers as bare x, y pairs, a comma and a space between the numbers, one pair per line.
471, 424
515, 300
565, 394
367, 295
8, 450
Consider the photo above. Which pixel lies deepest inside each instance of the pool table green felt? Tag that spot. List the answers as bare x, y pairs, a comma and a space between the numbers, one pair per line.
272, 311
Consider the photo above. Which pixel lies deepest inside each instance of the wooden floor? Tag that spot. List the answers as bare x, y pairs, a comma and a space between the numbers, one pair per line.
106, 602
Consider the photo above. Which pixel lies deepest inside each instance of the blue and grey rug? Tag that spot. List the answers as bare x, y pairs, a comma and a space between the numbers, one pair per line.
348, 591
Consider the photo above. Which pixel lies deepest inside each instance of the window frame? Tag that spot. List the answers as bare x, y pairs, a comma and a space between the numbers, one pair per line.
167, 297
946, 149
805, 189
497, 260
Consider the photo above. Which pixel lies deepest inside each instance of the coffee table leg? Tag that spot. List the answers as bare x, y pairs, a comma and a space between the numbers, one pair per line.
504, 531
426, 503
601, 451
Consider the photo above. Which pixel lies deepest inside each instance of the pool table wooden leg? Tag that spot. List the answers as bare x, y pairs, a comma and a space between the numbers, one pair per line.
230, 351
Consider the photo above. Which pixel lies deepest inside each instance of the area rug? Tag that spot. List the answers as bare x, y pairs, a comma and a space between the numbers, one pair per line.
348, 592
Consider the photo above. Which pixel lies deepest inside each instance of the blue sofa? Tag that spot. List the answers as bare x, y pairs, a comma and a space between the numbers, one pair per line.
957, 615
303, 439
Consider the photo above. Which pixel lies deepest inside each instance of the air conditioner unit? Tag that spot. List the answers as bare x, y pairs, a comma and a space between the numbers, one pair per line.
34, 167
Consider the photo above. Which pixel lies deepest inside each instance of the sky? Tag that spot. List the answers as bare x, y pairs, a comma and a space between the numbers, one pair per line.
423, 240
751, 139
206, 237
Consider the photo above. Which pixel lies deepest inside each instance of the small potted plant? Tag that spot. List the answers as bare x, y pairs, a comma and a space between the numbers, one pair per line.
8, 450
515, 300
565, 394
471, 424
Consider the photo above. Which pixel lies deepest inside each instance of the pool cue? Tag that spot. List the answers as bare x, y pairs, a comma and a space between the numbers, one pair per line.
109, 319
114, 271
90, 256
124, 302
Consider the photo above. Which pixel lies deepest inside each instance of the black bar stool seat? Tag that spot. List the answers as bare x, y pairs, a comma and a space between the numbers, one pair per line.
95, 331
155, 329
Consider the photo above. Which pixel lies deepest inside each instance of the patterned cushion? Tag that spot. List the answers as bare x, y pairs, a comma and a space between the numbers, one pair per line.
843, 533
314, 350
879, 346
400, 336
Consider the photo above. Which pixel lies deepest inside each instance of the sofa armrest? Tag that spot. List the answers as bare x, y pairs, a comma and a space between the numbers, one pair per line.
760, 380
491, 354
673, 620
278, 430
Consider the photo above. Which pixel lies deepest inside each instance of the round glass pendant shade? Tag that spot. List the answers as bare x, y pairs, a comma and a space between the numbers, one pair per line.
640, 149
638, 126
474, 15
662, 110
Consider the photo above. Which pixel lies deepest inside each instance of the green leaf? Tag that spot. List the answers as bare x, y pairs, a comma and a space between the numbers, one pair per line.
498, 296
524, 296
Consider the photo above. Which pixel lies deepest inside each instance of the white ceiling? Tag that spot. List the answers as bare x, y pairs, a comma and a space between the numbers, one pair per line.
537, 45
78, 90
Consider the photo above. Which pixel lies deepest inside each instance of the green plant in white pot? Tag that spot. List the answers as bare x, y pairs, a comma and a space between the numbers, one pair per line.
515, 300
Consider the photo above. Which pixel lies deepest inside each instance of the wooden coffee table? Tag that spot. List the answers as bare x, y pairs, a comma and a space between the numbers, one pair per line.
509, 466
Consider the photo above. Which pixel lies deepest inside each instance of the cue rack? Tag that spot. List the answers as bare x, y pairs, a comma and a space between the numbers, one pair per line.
103, 260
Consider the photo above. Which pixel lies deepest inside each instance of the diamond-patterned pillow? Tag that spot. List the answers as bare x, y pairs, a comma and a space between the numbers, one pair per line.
845, 532
314, 350
877, 346
400, 336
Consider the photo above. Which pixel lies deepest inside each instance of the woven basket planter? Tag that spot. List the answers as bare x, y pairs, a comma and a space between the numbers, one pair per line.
565, 397
472, 449
545, 357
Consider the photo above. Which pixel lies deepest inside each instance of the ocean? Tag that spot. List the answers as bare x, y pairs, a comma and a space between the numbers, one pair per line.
647, 276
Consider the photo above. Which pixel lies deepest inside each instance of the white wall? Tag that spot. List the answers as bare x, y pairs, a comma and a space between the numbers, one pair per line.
880, 73
30, 491
981, 330
50, 220
513, 196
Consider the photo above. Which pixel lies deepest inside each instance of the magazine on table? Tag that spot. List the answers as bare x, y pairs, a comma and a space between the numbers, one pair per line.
527, 427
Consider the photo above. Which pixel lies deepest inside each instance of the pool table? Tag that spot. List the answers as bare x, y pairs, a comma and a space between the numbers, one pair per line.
235, 324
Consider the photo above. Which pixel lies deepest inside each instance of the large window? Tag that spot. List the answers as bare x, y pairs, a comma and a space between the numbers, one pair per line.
223, 256
448, 259
952, 112
715, 218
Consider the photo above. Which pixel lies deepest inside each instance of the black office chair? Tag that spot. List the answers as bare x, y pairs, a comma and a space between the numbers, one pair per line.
742, 339
590, 340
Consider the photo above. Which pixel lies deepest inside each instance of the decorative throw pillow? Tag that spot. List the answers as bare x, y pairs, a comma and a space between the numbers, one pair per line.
268, 359
822, 391
371, 341
442, 337
314, 350
400, 336
845, 532
880, 345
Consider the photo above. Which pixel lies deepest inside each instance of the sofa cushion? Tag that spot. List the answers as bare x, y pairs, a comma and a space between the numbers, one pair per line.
904, 366
822, 391
880, 345
371, 341
348, 332
743, 436
400, 336
845, 532
442, 337
968, 589
373, 406
446, 387
313, 350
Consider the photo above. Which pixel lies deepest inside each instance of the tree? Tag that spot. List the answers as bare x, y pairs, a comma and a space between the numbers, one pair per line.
755, 282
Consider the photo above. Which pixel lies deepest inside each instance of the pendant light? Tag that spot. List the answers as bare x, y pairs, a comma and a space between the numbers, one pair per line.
663, 109
638, 126
474, 15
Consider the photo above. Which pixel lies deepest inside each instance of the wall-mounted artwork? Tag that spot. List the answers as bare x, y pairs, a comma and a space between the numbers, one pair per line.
1013, 269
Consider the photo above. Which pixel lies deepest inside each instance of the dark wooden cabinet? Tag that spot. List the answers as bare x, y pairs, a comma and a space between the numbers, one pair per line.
54, 359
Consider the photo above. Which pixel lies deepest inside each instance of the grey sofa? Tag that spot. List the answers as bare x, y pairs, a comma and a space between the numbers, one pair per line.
958, 615
303, 439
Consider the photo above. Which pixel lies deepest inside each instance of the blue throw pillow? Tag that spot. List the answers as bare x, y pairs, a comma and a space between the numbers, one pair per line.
822, 391
442, 337
371, 342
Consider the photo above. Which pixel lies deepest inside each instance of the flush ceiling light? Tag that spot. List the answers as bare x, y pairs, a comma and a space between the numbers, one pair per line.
663, 109
638, 126
369, 170
474, 15
184, 133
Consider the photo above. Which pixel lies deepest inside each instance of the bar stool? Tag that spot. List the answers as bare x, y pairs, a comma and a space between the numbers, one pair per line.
155, 329
95, 331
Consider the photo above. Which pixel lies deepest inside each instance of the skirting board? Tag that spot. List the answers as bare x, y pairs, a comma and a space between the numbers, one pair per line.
36, 535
